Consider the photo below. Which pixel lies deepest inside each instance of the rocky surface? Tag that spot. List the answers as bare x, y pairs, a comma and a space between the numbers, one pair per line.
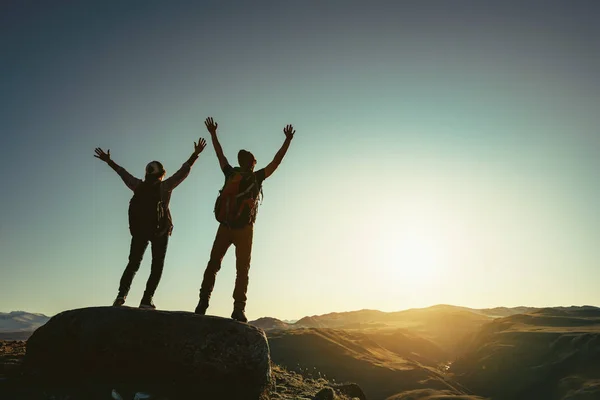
14, 384
293, 386
11, 357
157, 351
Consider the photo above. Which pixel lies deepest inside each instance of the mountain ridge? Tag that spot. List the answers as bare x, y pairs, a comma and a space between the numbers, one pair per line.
21, 321
345, 318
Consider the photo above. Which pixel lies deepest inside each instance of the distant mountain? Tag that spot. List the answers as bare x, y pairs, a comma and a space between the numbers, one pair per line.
313, 322
19, 325
500, 312
365, 318
347, 320
444, 325
572, 311
447, 326
267, 324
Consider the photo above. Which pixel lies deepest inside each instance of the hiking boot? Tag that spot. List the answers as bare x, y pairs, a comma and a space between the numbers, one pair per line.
147, 303
119, 301
201, 307
238, 315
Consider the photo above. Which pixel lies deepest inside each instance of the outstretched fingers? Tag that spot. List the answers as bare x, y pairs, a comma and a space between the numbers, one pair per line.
200, 145
101, 154
289, 130
211, 125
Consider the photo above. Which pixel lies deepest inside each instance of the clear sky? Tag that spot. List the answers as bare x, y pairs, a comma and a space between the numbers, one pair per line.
445, 151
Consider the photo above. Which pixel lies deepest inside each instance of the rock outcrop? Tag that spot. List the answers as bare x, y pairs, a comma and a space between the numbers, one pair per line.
287, 385
174, 354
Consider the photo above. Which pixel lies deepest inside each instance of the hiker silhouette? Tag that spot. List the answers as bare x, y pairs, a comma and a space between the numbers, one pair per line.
235, 209
149, 219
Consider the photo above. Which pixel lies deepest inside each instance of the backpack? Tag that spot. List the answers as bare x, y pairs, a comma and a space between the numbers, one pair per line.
147, 214
237, 202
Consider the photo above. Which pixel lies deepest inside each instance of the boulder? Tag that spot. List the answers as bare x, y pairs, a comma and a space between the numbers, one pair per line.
325, 394
179, 354
351, 390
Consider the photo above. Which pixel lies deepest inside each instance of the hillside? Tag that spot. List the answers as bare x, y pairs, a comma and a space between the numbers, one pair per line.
342, 355
445, 326
546, 353
550, 354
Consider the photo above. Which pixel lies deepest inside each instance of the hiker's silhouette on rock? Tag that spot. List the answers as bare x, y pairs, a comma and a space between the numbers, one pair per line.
236, 209
149, 219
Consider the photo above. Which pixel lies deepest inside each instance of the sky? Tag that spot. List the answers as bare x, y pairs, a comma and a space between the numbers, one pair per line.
445, 152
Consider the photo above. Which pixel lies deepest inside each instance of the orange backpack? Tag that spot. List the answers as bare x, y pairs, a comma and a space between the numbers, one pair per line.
238, 198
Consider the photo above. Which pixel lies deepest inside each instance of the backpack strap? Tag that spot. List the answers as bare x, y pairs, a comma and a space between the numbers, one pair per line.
160, 206
231, 201
247, 189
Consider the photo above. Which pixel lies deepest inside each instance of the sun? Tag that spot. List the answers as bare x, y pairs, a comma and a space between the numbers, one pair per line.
417, 257
412, 248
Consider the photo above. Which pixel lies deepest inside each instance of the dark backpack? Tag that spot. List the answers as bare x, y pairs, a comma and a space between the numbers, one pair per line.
147, 214
237, 202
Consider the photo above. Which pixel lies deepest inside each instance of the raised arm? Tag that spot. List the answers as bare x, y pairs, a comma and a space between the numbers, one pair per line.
212, 126
289, 135
129, 179
174, 180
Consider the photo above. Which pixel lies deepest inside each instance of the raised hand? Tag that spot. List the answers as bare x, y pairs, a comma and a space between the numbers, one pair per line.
200, 146
102, 155
289, 131
211, 125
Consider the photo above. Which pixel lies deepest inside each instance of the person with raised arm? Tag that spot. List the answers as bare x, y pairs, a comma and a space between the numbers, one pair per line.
235, 210
149, 219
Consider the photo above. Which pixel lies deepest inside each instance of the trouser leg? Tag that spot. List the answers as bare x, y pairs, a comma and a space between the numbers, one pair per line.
136, 253
243, 254
159, 252
220, 246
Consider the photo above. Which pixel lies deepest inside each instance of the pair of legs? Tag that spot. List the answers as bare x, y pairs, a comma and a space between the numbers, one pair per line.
241, 238
136, 253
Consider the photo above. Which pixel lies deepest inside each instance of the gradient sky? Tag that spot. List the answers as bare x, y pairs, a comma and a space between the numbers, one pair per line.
446, 151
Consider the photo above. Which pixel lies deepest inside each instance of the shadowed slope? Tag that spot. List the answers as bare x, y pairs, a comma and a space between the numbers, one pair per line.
353, 356
446, 326
550, 353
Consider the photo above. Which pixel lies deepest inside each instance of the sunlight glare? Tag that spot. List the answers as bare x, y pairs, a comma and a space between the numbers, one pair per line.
416, 250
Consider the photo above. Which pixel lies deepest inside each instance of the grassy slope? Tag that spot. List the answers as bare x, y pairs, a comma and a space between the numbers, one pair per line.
356, 357
446, 326
549, 354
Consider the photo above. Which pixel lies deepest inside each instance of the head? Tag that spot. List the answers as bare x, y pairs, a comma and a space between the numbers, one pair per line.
155, 171
246, 160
